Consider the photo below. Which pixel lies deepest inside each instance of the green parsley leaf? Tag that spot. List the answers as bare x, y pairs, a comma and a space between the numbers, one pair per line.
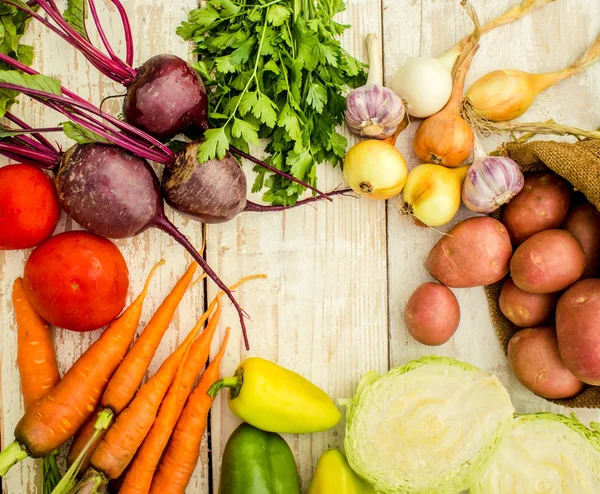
278, 14
300, 163
317, 96
265, 110
245, 130
216, 144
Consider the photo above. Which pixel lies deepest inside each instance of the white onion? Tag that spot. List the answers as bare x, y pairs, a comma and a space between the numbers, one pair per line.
425, 85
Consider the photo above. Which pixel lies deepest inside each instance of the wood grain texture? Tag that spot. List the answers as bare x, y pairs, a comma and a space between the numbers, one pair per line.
323, 310
339, 274
548, 39
154, 23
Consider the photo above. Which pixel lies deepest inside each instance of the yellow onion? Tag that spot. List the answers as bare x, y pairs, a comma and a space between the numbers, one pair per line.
505, 95
446, 138
375, 169
432, 193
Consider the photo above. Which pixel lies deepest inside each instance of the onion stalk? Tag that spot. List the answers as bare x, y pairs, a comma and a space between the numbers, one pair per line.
487, 127
446, 138
505, 95
425, 83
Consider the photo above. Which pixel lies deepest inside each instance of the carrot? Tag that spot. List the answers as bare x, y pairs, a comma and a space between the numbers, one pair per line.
139, 476
181, 457
57, 416
36, 359
127, 378
122, 440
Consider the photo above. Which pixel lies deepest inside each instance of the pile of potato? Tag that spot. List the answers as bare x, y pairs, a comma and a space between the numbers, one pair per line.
553, 290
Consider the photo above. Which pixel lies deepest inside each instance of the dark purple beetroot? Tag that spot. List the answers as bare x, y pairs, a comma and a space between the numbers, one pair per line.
211, 192
166, 98
96, 178
114, 194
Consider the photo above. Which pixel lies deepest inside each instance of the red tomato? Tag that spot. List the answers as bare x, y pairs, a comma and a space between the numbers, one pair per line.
29, 209
77, 281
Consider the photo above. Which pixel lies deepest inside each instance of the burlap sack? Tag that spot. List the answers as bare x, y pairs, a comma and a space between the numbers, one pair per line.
579, 164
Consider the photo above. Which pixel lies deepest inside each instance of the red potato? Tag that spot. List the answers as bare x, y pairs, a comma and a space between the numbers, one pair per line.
550, 261
583, 222
475, 252
534, 358
77, 281
578, 330
29, 209
543, 204
525, 309
432, 314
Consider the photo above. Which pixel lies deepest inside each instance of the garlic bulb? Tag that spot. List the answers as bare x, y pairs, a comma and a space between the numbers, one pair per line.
491, 182
373, 110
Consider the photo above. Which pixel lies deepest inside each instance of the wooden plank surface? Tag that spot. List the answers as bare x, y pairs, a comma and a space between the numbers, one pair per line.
326, 309
547, 40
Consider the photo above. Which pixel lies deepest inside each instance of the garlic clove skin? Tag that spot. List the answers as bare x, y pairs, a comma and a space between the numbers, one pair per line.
491, 182
374, 111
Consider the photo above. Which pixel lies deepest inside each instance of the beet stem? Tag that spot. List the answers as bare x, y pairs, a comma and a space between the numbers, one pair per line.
252, 207
15, 150
40, 138
117, 66
165, 225
100, 30
127, 30
165, 156
104, 64
276, 171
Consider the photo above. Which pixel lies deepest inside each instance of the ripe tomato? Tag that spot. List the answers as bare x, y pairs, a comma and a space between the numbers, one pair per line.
29, 209
77, 281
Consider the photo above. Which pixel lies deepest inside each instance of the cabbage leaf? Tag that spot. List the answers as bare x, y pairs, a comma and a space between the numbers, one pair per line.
432, 425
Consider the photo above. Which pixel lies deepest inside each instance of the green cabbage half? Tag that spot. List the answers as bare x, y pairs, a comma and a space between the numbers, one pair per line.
545, 454
431, 426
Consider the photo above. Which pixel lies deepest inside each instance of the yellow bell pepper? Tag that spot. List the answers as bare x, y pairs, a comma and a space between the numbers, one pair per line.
334, 475
275, 399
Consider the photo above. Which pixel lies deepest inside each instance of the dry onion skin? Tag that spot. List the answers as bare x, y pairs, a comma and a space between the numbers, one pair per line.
504, 95
376, 169
432, 193
425, 83
446, 138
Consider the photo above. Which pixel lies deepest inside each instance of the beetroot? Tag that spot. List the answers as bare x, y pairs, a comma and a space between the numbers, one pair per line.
167, 97
211, 192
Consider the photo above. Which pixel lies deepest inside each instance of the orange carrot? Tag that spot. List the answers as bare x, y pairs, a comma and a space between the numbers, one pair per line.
139, 476
122, 440
57, 416
181, 457
127, 378
36, 359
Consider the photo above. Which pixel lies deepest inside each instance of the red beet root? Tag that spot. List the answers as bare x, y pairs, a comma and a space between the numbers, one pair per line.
166, 98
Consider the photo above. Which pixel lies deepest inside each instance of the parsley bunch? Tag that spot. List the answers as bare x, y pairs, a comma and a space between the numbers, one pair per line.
275, 70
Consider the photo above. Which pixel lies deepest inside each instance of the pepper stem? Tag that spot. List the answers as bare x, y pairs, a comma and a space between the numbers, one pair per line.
11, 455
234, 383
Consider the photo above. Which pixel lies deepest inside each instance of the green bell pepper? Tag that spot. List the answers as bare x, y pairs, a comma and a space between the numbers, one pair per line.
258, 462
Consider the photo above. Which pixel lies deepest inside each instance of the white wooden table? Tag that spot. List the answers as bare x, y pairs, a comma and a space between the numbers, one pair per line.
339, 274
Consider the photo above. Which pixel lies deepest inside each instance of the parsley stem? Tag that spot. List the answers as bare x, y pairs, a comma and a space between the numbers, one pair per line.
253, 76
